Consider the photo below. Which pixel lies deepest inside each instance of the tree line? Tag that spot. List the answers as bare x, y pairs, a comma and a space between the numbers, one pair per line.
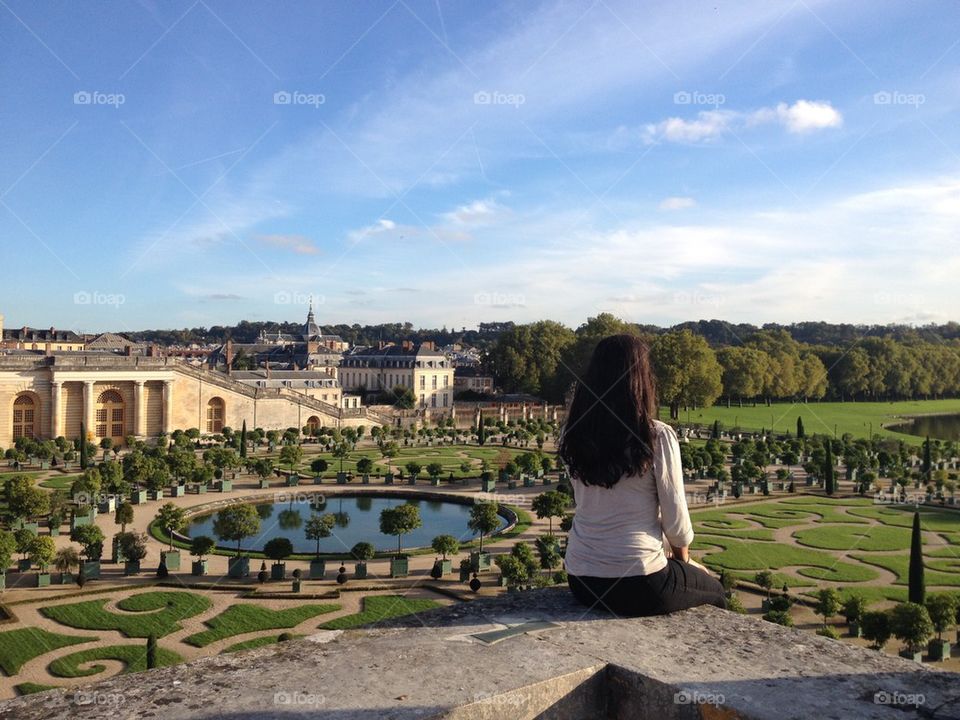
546, 358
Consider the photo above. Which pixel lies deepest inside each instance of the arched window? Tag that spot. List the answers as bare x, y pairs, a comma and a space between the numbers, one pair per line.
110, 416
215, 414
24, 416
313, 424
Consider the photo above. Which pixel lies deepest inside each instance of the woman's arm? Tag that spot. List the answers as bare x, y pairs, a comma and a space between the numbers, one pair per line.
668, 474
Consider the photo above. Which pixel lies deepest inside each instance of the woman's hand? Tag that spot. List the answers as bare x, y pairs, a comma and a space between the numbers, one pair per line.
681, 553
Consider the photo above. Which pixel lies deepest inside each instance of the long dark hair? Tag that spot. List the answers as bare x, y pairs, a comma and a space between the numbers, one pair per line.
609, 432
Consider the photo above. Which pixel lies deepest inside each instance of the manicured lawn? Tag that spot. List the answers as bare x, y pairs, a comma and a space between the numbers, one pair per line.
256, 643
150, 613
873, 594
244, 618
940, 521
936, 572
849, 417
29, 688
134, 658
849, 537
380, 607
24, 644
59, 482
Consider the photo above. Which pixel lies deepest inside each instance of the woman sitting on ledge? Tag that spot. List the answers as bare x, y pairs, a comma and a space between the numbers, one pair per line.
628, 550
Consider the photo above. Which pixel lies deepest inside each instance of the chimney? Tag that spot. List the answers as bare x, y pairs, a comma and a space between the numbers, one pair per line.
407, 345
229, 352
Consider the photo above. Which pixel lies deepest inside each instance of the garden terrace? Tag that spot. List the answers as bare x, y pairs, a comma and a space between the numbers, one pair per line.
549, 660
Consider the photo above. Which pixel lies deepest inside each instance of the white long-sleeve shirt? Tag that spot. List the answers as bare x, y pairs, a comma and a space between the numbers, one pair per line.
621, 531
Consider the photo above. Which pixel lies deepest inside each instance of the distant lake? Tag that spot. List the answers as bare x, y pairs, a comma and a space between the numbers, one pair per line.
942, 427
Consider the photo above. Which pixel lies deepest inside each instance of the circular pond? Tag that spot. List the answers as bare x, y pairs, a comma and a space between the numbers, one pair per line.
357, 520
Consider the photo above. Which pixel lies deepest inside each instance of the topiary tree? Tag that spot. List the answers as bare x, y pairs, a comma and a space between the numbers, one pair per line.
548, 548
291, 455
320, 527
151, 652
23, 539
484, 519
445, 545
170, 519
66, 559
364, 466
363, 551
764, 579
123, 515
780, 617
133, 545
942, 609
236, 523
90, 538
911, 624
876, 627
828, 603
319, 466
854, 608
8, 546
916, 586
399, 521
434, 470
42, 551
549, 505
278, 549
202, 545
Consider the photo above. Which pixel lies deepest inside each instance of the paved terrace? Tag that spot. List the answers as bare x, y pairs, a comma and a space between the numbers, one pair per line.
550, 660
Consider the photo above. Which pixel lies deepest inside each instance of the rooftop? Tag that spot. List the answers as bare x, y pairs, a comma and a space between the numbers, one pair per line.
534, 654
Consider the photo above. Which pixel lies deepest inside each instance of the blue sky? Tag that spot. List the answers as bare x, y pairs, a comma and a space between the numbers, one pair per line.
182, 163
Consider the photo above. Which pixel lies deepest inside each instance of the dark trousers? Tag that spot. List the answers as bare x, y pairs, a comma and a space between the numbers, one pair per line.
678, 586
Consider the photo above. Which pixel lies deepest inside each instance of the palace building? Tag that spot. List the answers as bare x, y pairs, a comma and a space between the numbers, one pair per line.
423, 369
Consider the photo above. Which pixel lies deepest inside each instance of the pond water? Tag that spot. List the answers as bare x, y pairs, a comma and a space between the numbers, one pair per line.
943, 427
358, 520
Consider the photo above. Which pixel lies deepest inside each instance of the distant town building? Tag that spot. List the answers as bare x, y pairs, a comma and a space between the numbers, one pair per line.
421, 368
49, 340
474, 379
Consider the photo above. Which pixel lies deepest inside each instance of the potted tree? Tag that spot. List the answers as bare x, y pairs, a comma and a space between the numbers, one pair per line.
236, 523
90, 538
318, 467
361, 552
942, 609
488, 483
24, 538
319, 527
399, 521
365, 467
434, 470
445, 545
484, 519
413, 469
134, 548
828, 603
8, 546
764, 579
910, 623
854, 608
42, 551
199, 546
64, 561
171, 520
551, 504
876, 627
278, 549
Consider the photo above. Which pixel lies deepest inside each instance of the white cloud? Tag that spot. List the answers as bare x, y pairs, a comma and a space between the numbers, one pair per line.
808, 115
677, 203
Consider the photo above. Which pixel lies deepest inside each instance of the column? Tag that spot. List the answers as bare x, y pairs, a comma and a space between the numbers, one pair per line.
55, 409
139, 416
168, 406
89, 406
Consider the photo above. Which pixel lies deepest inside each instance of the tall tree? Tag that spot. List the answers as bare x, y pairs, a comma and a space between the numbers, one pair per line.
800, 431
916, 587
243, 440
687, 370
528, 358
829, 470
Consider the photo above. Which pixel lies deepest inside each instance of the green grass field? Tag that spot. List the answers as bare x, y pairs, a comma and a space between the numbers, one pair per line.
24, 644
848, 417
134, 658
259, 642
29, 688
380, 607
244, 618
150, 613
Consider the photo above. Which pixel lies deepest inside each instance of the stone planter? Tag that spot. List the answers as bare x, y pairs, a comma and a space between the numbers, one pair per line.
318, 569
202, 488
446, 566
90, 569
108, 505
155, 494
177, 491
480, 561
399, 567
388, 479
264, 483
855, 629
65, 578
909, 655
365, 478
295, 587
528, 481
138, 497
238, 567
293, 480
489, 486
43, 580
198, 567
435, 482
464, 573
547, 480
225, 485
341, 478
412, 480
317, 480
360, 571
278, 571
939, 650
511, 484
171, 559
54, 531
131, 567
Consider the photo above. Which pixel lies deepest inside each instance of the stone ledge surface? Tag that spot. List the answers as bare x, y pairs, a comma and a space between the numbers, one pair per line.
704, 663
